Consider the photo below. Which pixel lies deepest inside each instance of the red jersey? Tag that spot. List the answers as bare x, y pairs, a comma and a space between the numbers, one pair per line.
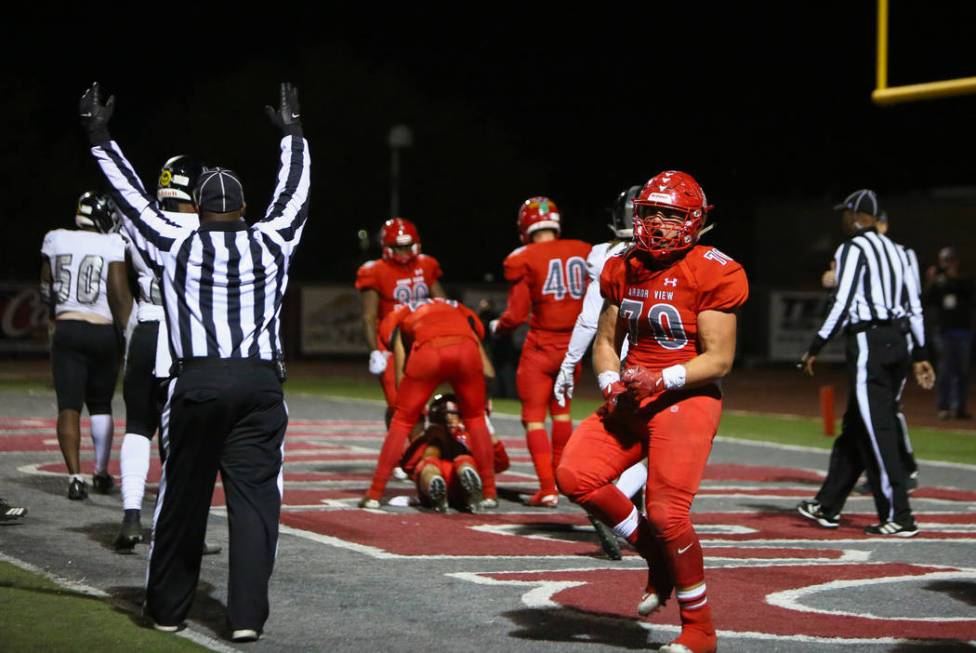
549, 279
659, 308
398, 283
429, 319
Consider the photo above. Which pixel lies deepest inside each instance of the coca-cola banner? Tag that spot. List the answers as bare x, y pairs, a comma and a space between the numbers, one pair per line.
23, 318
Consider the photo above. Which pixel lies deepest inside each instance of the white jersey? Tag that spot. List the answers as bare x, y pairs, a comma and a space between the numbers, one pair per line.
585, 328
79, 269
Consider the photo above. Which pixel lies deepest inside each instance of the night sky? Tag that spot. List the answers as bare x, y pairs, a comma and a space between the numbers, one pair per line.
756, 101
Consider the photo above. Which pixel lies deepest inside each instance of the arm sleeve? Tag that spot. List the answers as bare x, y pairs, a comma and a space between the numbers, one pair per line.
152, 233
585, 328
286, 216
518, 307
916, 319
849, 264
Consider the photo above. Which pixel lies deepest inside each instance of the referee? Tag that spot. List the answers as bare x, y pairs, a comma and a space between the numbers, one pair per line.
223, 285
875, 284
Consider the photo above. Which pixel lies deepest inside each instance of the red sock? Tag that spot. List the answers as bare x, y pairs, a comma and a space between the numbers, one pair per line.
561, 430
538, 443
688, 569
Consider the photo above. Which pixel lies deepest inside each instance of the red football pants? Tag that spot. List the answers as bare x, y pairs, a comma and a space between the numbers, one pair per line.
676, 440
429, 365
536, 375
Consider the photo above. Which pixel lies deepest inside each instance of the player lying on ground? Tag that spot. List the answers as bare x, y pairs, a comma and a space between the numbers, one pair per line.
675, 300
440, 463
548, 278
435, 341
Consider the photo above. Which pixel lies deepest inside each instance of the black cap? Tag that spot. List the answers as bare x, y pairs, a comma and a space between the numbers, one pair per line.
861, 201
218, 191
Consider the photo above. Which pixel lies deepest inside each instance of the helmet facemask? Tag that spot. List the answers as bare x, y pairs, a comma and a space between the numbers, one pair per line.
664, 231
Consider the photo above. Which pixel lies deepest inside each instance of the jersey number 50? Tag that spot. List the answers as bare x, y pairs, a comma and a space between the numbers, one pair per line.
664, 319
573, 280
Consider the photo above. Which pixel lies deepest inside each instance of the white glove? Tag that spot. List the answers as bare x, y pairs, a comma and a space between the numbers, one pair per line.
377, 361
563, 389
492, 327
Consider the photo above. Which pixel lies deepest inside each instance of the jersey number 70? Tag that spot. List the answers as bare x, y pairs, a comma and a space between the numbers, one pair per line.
664, 319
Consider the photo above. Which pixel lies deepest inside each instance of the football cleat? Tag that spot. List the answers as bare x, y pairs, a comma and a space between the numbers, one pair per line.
77, 489
103, 483
437, 491
892, 529
471, 483
9, 512
608, 539
399, 474
691, 640
366, 502
543, 499
812, 510
130, 534
489, 503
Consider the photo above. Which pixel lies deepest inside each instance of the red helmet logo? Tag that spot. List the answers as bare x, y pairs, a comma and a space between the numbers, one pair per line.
397, 234
669, 214
537, 213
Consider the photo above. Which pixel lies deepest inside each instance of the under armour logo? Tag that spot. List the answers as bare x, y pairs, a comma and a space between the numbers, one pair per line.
670, 282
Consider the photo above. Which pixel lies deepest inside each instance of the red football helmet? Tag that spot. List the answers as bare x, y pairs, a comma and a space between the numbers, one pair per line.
398, 232
537, 213
669, 214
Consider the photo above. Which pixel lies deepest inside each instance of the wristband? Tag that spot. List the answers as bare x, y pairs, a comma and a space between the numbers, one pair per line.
674, 377
605, 379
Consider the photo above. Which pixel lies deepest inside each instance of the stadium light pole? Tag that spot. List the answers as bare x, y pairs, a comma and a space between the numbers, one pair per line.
399, 138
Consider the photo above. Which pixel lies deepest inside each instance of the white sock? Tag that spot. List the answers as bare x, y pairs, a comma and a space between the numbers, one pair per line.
632, 480
79, 477
101, 433
134, 460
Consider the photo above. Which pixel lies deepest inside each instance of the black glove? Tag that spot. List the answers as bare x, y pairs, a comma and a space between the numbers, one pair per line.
95, 115
287, 117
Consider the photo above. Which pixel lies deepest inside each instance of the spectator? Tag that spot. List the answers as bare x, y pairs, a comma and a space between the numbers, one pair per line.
950, 295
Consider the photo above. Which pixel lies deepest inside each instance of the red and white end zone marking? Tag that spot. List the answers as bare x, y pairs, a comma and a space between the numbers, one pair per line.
328, 465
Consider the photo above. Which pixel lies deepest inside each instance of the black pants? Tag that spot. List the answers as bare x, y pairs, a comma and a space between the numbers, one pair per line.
229, 416
140, 387
871, 438
85, 365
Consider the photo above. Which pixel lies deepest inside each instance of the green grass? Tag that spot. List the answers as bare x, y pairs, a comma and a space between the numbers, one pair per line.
38, 615
930, 444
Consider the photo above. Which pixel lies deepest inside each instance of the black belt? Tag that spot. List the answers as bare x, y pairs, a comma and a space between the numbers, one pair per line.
861, 327
276, 366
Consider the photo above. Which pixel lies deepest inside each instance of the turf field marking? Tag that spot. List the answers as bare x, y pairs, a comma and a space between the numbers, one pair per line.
790, 599
80, 588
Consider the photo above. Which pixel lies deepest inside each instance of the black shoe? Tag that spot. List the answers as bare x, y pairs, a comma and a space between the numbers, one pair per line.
130, 534
103, 483
893, 529
812, 510
245, 635
608, 539
471, 483
863, 488
77, 489
9, 512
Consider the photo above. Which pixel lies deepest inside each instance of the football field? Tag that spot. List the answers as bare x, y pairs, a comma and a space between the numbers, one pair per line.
404, 579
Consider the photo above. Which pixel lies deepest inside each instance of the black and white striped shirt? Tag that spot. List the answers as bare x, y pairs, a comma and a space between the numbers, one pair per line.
877, 281
223, 282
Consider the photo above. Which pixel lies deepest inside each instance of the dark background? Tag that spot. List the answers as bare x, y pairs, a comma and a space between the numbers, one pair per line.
759, 101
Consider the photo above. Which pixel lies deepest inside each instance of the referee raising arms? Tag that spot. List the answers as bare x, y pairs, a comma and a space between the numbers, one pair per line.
223, 285
875, 283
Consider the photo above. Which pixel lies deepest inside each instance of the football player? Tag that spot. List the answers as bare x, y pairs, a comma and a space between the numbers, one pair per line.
622, 225
445, 472
436, 341
676, 302
548, 278
402, 276
83, 281
147, 362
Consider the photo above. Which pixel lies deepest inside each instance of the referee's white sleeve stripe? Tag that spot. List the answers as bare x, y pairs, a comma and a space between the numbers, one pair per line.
847, 269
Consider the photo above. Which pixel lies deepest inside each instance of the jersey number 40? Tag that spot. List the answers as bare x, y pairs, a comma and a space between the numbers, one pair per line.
664, 319
570, 280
